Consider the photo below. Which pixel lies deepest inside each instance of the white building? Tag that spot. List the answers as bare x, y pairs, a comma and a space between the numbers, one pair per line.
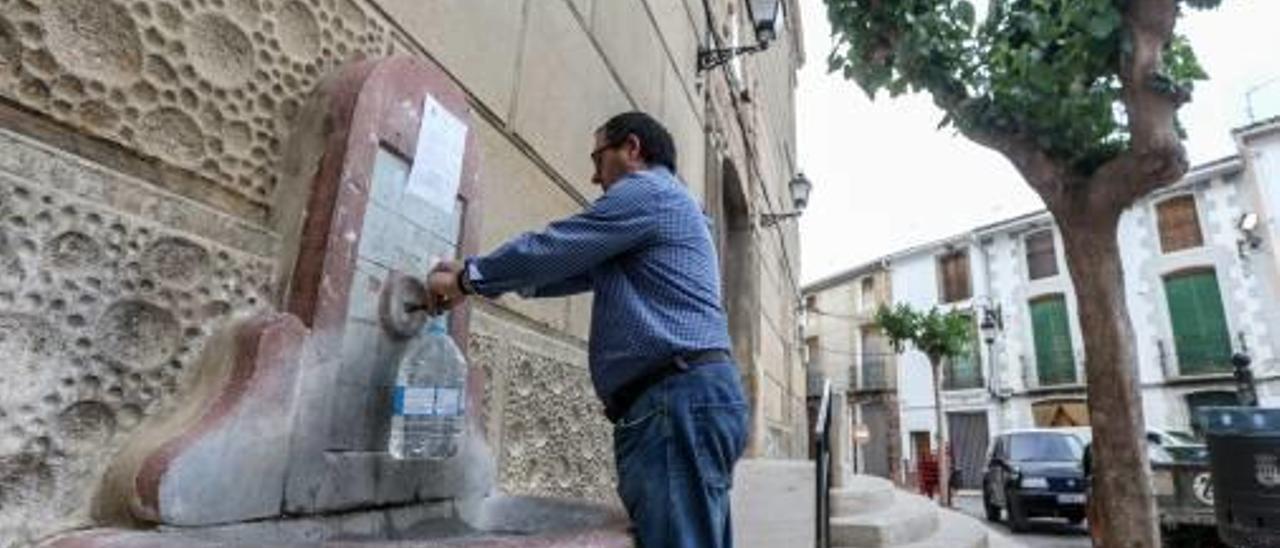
1202, 277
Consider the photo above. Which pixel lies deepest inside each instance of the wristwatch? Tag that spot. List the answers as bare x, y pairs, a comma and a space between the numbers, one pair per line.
464, 280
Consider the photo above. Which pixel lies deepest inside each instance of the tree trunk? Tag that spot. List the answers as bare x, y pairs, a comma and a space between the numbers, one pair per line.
944, 475
1121, 472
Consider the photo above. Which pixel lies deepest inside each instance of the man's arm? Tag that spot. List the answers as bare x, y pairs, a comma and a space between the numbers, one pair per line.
562, 288
560, 256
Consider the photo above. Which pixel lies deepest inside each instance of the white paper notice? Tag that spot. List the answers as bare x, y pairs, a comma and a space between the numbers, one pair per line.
437, 162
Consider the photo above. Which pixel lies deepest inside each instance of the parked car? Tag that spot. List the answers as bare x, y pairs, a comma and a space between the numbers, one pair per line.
1183, 489
1181, 446
1034, 473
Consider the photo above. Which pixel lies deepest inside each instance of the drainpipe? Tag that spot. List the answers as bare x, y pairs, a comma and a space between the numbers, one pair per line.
993, 375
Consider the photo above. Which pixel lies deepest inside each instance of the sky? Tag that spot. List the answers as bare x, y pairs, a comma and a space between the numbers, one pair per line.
886, 179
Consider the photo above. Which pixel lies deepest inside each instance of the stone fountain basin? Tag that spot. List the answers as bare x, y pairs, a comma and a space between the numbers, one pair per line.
496, 522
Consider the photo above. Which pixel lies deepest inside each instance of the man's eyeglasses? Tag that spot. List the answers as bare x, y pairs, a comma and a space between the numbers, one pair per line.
597, 153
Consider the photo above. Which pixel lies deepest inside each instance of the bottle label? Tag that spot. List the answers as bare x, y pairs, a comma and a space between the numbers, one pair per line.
429, 401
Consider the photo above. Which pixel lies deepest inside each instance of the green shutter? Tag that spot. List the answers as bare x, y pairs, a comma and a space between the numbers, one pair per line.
1200, 334
965, 371
1055, 360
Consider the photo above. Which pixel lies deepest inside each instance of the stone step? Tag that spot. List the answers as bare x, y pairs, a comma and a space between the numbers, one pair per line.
860, 495
910, 518
773, 503
956, 530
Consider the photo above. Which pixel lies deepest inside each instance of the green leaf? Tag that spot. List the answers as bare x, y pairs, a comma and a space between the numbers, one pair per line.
1046, 68
965, 11
1102, 25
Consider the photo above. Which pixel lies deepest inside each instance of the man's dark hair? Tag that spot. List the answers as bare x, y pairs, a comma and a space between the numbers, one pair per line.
656, 146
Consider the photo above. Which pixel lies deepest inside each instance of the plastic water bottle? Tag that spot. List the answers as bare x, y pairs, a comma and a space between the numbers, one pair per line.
429, 399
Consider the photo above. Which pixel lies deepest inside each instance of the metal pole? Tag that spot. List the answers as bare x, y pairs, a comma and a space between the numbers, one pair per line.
826, 492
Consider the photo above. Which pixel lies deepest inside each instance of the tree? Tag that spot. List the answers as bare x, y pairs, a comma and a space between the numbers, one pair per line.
940, 336
1082, 97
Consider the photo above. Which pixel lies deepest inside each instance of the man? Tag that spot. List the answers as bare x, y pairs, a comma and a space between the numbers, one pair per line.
659, 345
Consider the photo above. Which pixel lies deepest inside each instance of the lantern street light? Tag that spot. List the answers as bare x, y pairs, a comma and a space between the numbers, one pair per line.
800, 188
764, 20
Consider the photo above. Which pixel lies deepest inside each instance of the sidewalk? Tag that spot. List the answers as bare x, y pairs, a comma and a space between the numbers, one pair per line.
774, 506
773, 503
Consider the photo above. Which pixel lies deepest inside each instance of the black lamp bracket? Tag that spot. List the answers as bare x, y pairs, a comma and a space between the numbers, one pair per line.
712, 58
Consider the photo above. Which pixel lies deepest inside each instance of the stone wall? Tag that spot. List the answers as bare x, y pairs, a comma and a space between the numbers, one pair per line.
553, 438
211, 86
108, 290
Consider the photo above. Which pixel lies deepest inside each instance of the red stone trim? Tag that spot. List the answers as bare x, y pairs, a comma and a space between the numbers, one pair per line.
262, 345
367, 107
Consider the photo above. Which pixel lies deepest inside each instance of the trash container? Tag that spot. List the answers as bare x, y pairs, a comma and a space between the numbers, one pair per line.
1244, 458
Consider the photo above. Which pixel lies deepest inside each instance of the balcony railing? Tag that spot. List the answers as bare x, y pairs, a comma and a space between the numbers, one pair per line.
1047, 370
1196, 357
963, 374
876, 372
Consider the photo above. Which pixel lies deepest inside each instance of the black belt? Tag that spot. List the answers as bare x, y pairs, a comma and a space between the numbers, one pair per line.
621, 400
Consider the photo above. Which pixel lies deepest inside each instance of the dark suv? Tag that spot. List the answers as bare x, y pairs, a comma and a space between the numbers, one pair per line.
1035, 473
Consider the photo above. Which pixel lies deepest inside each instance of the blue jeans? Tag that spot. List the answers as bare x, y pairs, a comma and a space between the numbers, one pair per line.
675, 451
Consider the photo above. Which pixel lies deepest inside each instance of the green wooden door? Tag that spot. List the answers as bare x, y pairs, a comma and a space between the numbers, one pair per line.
1200, 334
1055, 360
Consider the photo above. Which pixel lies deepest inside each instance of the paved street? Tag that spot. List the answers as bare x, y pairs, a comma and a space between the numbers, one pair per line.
1045, 533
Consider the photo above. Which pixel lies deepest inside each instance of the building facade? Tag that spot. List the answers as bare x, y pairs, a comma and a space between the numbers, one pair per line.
1200, 277
173, 171
842, 344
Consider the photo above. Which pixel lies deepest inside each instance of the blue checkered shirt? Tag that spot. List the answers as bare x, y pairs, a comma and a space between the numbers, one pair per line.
645, 249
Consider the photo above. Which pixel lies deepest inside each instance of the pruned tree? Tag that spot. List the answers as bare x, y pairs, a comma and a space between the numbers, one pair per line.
940, 336
1082, 97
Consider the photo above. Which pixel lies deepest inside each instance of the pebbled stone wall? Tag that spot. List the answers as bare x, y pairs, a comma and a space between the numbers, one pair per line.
108, 291
206, 85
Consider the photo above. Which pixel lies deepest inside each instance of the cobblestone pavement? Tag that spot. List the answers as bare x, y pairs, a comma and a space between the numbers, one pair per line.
1045, 533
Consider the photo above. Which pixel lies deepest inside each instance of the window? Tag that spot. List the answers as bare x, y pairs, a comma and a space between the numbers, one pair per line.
1042, 260
1179, 225
1045, 447
965, 372
811, 349
810, 302
874, 353
954, 270
1200, 334
868, 293
1055, 359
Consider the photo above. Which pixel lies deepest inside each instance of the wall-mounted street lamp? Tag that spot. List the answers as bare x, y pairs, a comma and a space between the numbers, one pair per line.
1249, 238
991, 325
800, 188
764, 17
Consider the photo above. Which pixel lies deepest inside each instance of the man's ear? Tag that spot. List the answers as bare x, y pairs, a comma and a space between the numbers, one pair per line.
633, 143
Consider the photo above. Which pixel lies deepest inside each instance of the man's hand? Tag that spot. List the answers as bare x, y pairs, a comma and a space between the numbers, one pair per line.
443, 290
